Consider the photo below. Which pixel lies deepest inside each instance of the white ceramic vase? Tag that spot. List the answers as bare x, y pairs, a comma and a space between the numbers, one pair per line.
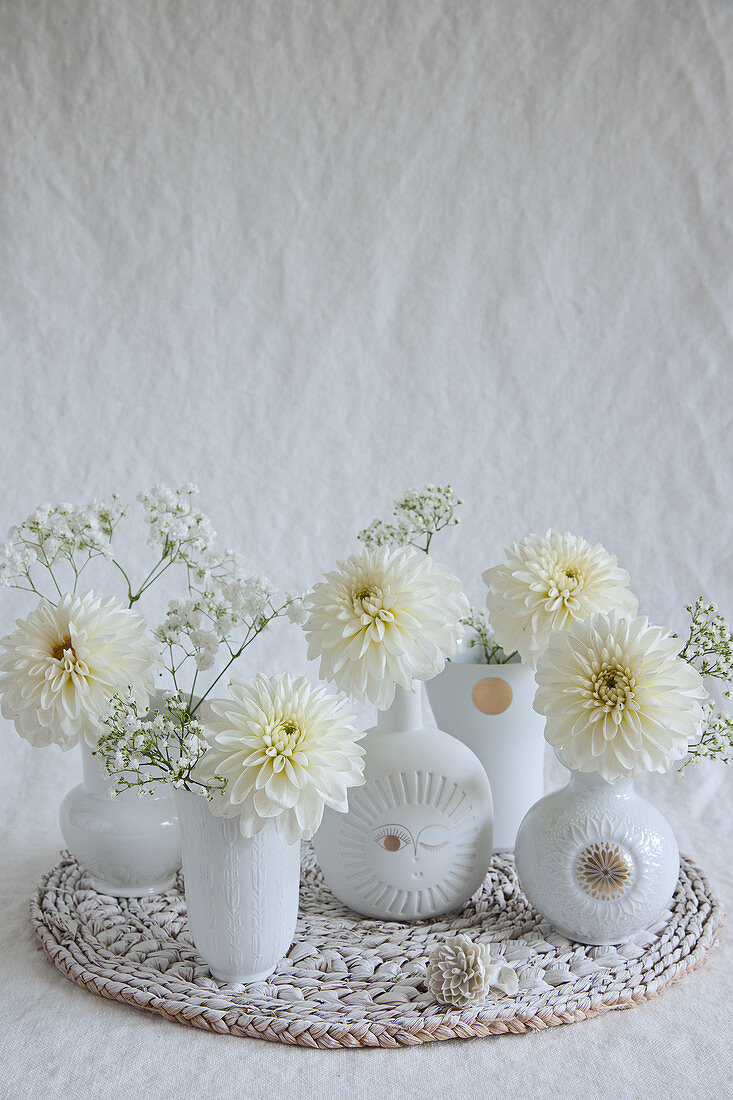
129, 846
489, 708
416, 840
597, 860
241, 894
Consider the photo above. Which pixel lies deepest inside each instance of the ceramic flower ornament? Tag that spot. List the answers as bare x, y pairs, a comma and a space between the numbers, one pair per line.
63, 664
547, 583
617, 697
382, 619
285, 749
461, 973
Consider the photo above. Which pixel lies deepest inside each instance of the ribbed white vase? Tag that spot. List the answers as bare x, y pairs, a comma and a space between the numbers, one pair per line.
416, 840
241, 893
129, 846
596, 859
489, 708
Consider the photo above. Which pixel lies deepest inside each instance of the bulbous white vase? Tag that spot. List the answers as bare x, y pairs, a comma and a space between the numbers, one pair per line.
416, 840
241, 893
489, 708
597, 860
129, 846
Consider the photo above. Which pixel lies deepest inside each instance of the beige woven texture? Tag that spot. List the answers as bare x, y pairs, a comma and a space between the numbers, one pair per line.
348, 982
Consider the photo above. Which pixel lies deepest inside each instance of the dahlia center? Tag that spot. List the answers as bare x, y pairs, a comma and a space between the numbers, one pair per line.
612, 687
284, 739
368, 600
64, 651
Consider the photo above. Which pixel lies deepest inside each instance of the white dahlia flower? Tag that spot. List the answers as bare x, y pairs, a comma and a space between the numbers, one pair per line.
547, 583
285, 749
461, 973
382, 619
617, 697
63, 664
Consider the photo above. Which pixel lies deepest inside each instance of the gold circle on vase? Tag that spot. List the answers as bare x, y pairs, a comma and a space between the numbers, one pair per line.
492, 695
605, 870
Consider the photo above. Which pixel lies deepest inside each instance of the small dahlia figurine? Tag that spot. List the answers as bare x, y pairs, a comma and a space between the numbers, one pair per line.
461, 973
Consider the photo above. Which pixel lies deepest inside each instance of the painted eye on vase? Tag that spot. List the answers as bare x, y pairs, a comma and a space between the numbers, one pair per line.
392, 838
433, 837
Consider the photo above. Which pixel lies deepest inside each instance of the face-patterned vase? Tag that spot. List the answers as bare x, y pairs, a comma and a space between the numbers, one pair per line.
417, 838
597, 860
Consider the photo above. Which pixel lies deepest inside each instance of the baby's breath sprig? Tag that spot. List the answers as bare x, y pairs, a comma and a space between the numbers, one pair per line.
141, 751
61, 540
419, 515
709, 649
481, 636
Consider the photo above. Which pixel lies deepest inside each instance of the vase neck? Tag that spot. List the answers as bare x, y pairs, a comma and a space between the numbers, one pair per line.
95, 781
592, 781
404, 713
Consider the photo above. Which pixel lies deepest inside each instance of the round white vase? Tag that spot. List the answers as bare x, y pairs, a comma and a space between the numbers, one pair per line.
489, 708
597, 860
416, 840
241, 893
129, 846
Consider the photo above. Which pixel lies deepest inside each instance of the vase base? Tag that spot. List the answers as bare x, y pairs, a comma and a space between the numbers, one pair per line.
140, 891
245, 979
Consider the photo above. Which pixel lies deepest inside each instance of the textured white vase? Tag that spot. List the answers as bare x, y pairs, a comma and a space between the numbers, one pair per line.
416, 840
597, 860
489, 708
130, 847
241, 893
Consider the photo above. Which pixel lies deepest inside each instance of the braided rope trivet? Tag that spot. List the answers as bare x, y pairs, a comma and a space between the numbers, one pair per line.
352, 983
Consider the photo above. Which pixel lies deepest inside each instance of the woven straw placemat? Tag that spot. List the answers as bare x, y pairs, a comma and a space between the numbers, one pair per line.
348, 982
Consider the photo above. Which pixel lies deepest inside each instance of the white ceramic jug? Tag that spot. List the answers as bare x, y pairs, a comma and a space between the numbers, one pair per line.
129, 846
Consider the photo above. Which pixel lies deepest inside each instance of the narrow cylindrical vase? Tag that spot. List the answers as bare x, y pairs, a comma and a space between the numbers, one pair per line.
489, 708
241, 893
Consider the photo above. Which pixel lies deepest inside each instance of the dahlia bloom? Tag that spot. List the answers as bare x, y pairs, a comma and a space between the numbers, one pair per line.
63, 664
547, 583
382, 619
617, 697
286, 749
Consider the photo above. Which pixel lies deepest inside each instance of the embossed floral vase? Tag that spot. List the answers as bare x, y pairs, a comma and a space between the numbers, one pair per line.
417, 838
129, 846
241, 893
597, 860
489, 708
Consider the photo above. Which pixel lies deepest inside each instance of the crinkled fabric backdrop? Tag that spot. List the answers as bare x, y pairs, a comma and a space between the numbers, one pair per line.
308, 255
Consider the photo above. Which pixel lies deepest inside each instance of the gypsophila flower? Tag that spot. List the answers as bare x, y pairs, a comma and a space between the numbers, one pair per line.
481, 643
547, 583
617, 697
419, 515
286, 749
709, 649
141, 749
461, 973
175, 526
56, 536
382, 619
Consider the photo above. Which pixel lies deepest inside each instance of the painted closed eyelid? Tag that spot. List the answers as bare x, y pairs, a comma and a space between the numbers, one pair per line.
433, 836
433, 847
